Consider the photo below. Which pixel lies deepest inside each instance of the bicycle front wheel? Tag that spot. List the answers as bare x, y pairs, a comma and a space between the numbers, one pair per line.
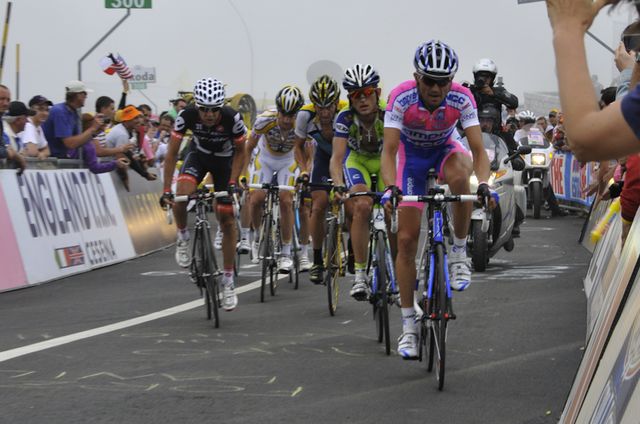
266, 252
381, 295
439, 326
331, 265
209, 270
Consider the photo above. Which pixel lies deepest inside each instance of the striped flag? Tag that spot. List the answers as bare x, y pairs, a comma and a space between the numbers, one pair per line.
112, 64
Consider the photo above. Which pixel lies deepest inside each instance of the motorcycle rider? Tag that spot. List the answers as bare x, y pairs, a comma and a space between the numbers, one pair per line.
489, 118
527, 119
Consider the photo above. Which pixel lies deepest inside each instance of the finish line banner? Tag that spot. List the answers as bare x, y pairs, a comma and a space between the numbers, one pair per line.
65, 222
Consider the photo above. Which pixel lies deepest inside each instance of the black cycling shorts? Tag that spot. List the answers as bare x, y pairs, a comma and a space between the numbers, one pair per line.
197, 165
320, 173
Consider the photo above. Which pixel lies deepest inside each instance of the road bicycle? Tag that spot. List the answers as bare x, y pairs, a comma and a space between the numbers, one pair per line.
204, 270
435, 307
270, 234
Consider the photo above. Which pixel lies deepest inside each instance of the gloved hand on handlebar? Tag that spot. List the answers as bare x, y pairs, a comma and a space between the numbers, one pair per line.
485, 193
303, 178
242, 182
166, 199
390, 193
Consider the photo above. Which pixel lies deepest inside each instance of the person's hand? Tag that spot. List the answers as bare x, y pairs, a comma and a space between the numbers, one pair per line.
486, 89
125, 86
122, 163
624, 59
98, 123
18, 160
42, 155
486, 194
568, 14
338, 192
303, 178
124, 148
390, 193
242, 182
166, 200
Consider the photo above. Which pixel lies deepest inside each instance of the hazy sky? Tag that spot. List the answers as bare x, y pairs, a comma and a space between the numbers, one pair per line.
188, 39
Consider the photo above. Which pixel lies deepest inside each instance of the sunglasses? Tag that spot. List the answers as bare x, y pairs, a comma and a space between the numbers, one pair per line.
363, 92
430, 82
205, 109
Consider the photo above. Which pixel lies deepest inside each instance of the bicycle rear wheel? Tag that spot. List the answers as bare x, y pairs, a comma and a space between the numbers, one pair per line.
382, 299
331, 265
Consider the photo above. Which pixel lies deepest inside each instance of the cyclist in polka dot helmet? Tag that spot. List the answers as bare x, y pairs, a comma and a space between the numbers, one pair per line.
209, 92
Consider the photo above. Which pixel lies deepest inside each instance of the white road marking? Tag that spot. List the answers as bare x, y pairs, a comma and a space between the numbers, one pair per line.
58, 341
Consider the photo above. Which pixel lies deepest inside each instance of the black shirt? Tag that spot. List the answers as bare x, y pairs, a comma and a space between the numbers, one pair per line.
216, 140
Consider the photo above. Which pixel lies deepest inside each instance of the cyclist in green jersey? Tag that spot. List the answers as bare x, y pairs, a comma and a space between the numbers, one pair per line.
357, 144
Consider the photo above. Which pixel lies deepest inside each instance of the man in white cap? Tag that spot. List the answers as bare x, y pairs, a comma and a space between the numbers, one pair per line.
62, 128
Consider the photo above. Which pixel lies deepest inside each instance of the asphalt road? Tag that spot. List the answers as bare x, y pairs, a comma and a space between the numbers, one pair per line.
512, 352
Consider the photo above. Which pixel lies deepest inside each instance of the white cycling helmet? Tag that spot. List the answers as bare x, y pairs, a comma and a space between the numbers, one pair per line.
485, 65
360, 76
527, 116
209, 92
289, 100
435, 59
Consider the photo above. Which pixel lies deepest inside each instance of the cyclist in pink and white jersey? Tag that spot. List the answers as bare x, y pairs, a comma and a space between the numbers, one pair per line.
420, 134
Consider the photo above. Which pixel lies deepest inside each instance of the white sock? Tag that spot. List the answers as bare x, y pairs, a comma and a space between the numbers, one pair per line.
459, 245
303, 250
183, 234
286, 249
244, 233
409, 324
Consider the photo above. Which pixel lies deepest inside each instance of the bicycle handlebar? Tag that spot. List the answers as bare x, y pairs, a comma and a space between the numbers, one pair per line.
272, 187
196, 196
441, 198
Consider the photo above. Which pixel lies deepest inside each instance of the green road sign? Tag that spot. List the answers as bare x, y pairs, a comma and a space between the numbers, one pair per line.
138, 85
127, 4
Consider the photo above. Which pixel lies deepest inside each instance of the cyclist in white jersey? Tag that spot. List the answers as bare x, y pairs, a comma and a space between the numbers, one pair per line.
274, 132
420, 134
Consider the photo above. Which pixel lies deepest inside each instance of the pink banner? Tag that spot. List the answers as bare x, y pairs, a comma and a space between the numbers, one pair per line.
12, 274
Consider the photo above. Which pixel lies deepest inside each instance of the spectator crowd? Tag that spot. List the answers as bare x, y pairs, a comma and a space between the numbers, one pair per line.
109, 138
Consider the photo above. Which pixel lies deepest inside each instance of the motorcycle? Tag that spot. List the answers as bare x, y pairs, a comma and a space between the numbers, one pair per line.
536, 175
491, 230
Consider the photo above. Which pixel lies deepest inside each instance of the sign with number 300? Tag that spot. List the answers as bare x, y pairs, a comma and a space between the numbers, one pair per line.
127, 4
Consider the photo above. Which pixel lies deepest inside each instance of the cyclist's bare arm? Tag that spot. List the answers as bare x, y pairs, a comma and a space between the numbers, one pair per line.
239, 158
481, 164
388, 156
249, 145
301, 155
171, 158
337, 158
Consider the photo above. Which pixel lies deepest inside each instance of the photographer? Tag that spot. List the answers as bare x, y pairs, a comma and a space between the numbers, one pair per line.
484, 91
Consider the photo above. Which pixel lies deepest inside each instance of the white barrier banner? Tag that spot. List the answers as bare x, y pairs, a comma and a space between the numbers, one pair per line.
65, 221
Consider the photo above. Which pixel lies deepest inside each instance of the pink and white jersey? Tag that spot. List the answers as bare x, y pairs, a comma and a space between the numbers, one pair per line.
421, 129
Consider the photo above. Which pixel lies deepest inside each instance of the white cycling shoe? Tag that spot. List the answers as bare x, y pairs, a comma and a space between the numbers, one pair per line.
408, 346
285, 264
229, 297
305, 265
243, 247
183, 257
460, 272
